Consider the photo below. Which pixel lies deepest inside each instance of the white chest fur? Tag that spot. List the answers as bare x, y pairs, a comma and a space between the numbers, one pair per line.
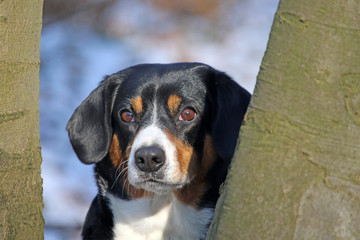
161, 217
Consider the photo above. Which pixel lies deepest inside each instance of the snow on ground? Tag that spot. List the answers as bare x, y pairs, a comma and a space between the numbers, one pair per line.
74, 59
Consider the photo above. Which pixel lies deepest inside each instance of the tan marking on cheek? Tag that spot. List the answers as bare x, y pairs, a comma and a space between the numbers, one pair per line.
173, 103
118, 161
137, 104
115, 152
137, 193
184, 153
192, 193
209, 155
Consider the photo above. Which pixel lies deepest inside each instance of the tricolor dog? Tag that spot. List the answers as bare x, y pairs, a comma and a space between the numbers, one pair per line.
161, 137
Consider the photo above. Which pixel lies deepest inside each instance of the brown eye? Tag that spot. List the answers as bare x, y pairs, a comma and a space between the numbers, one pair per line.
187, 115
127, 116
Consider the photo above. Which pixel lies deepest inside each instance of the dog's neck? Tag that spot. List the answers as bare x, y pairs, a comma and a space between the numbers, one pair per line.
158, 217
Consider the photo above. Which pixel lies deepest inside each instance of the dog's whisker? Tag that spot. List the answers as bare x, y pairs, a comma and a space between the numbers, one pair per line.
123, 162
118, 168
123, 178
124, 186
122, 171
129, 186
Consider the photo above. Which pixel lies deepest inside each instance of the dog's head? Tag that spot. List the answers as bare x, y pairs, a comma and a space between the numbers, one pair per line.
160, 123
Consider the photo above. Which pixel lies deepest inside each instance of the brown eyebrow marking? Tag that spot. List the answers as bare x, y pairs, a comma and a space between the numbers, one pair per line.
137, 104
173, 103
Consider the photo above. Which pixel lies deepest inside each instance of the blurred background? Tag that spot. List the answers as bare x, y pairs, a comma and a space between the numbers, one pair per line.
84, 40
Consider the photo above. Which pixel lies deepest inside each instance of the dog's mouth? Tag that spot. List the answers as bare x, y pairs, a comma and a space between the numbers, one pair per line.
158, 186
162, 183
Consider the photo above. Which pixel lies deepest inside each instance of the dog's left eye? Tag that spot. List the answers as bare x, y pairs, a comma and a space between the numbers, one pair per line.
127, 116
187, 115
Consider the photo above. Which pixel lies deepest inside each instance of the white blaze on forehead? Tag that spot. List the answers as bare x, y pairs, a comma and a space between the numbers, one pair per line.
153, 135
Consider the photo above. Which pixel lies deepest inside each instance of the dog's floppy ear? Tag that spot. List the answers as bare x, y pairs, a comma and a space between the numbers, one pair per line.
89, 127
231, 102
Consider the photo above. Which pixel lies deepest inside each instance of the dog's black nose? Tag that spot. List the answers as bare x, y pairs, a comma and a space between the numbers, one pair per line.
149, 159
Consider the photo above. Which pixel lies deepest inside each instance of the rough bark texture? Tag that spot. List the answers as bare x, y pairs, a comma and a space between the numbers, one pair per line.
296, 172
20, 181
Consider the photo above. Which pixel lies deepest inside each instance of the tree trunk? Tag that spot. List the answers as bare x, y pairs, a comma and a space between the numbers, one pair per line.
20, 158
296, 172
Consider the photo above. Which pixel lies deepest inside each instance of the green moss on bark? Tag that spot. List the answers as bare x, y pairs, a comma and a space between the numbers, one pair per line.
21, 199
20, 158
296, 172
6, 117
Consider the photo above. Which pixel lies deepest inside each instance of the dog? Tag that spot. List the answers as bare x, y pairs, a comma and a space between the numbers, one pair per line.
161, 137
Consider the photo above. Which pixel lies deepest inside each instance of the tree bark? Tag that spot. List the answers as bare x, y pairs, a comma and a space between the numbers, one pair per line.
20, 158
296, 172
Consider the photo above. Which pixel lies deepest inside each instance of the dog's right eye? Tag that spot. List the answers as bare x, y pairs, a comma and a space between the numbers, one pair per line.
127, 116
187, 115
